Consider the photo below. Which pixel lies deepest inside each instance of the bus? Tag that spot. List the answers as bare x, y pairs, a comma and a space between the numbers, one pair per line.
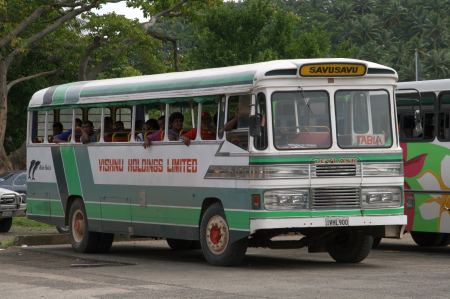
423, 109
306, 149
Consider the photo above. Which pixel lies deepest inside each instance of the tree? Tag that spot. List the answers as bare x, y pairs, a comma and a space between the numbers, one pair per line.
252, 31
161, 16
117, 47
26, 23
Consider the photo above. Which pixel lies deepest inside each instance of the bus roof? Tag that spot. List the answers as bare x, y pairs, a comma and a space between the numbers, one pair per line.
427, 85
239, 79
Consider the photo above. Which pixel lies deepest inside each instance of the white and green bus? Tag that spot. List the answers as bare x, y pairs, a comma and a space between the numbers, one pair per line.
306, 148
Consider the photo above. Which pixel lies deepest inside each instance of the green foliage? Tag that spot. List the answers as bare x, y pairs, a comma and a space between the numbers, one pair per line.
25, 222
252, 31
387, 32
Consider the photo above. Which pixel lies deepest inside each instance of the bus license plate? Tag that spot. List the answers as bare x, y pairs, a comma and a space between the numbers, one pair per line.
336, 221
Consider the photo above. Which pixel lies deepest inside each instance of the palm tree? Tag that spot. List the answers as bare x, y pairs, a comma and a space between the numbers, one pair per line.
437, 64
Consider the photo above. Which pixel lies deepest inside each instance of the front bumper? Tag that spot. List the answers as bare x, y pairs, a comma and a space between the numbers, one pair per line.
303, 222
12, 210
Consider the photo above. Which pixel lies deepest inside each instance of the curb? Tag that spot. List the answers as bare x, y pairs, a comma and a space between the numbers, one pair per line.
58, 239
47, 239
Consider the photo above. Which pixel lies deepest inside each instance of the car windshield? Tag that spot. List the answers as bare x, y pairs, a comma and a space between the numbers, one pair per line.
363, 118
301, 120
5, 176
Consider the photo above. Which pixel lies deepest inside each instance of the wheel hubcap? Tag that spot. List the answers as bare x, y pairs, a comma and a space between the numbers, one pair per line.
78, 226
217, 234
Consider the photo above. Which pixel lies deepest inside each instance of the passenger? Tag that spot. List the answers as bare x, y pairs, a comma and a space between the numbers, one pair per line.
57, 129
241, 118
208, 129
119, 126
64, 136
158, 135
88, 134
149, 126
176, 132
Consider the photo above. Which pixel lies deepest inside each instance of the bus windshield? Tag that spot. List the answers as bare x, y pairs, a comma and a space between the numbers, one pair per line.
363, 118
301, 120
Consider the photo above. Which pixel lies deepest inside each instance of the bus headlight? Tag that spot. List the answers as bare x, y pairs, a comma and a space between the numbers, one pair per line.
290, 199
382, 197
382, 169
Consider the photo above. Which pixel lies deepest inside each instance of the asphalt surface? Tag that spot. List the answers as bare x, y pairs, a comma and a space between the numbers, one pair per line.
149, 269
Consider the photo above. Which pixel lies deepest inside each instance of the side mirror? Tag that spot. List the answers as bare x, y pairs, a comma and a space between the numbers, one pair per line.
418, 128
255, 125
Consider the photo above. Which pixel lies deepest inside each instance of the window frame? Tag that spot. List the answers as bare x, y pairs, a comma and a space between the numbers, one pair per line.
422, 113
390, 113
327, 92
441, 94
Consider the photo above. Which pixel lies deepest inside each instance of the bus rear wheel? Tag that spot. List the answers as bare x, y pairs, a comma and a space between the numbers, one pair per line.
5, 225
445, 240
350, 246
215, 239
430, 239
82, 239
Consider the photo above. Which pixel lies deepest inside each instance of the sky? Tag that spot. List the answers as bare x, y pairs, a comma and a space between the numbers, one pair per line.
121, 9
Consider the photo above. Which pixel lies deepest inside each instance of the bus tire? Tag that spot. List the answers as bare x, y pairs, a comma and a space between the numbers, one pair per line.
81, 238
215, 239
5, 225
179, 244
376, 242
445, 240
423, 239
350, 246
104, 242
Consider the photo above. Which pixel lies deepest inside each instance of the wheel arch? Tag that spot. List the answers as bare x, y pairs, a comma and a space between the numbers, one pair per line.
207, 202
70, 201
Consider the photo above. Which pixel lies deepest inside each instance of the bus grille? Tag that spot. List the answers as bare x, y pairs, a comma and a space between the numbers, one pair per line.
325, 170
335, 198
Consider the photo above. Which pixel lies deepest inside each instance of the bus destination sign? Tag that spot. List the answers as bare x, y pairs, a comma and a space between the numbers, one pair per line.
332, 70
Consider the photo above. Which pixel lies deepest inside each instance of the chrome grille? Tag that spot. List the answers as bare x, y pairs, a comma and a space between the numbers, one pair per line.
8, 199
327, 170
335, 198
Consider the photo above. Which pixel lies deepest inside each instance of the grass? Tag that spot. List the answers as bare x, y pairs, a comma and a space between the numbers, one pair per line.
25, 222
7, 243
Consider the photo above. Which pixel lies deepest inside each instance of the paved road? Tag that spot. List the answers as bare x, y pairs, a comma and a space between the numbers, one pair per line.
149, 269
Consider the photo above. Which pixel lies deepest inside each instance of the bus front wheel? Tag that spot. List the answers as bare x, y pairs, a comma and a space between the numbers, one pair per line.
215, 239
430, 239
350, 246
82, 239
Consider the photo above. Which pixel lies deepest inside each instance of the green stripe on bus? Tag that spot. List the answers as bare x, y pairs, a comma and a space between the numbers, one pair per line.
307, 159
41, 207
168, 215
60, 94
236, 79
71, 171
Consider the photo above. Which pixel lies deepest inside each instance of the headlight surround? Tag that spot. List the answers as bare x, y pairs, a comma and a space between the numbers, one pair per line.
288, 199
382, 197
382, 169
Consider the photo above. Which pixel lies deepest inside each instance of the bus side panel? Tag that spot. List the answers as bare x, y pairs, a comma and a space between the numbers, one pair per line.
43, 191
427, 171
147, 192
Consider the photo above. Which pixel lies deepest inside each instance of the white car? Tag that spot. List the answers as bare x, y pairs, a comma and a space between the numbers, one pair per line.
11, 204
